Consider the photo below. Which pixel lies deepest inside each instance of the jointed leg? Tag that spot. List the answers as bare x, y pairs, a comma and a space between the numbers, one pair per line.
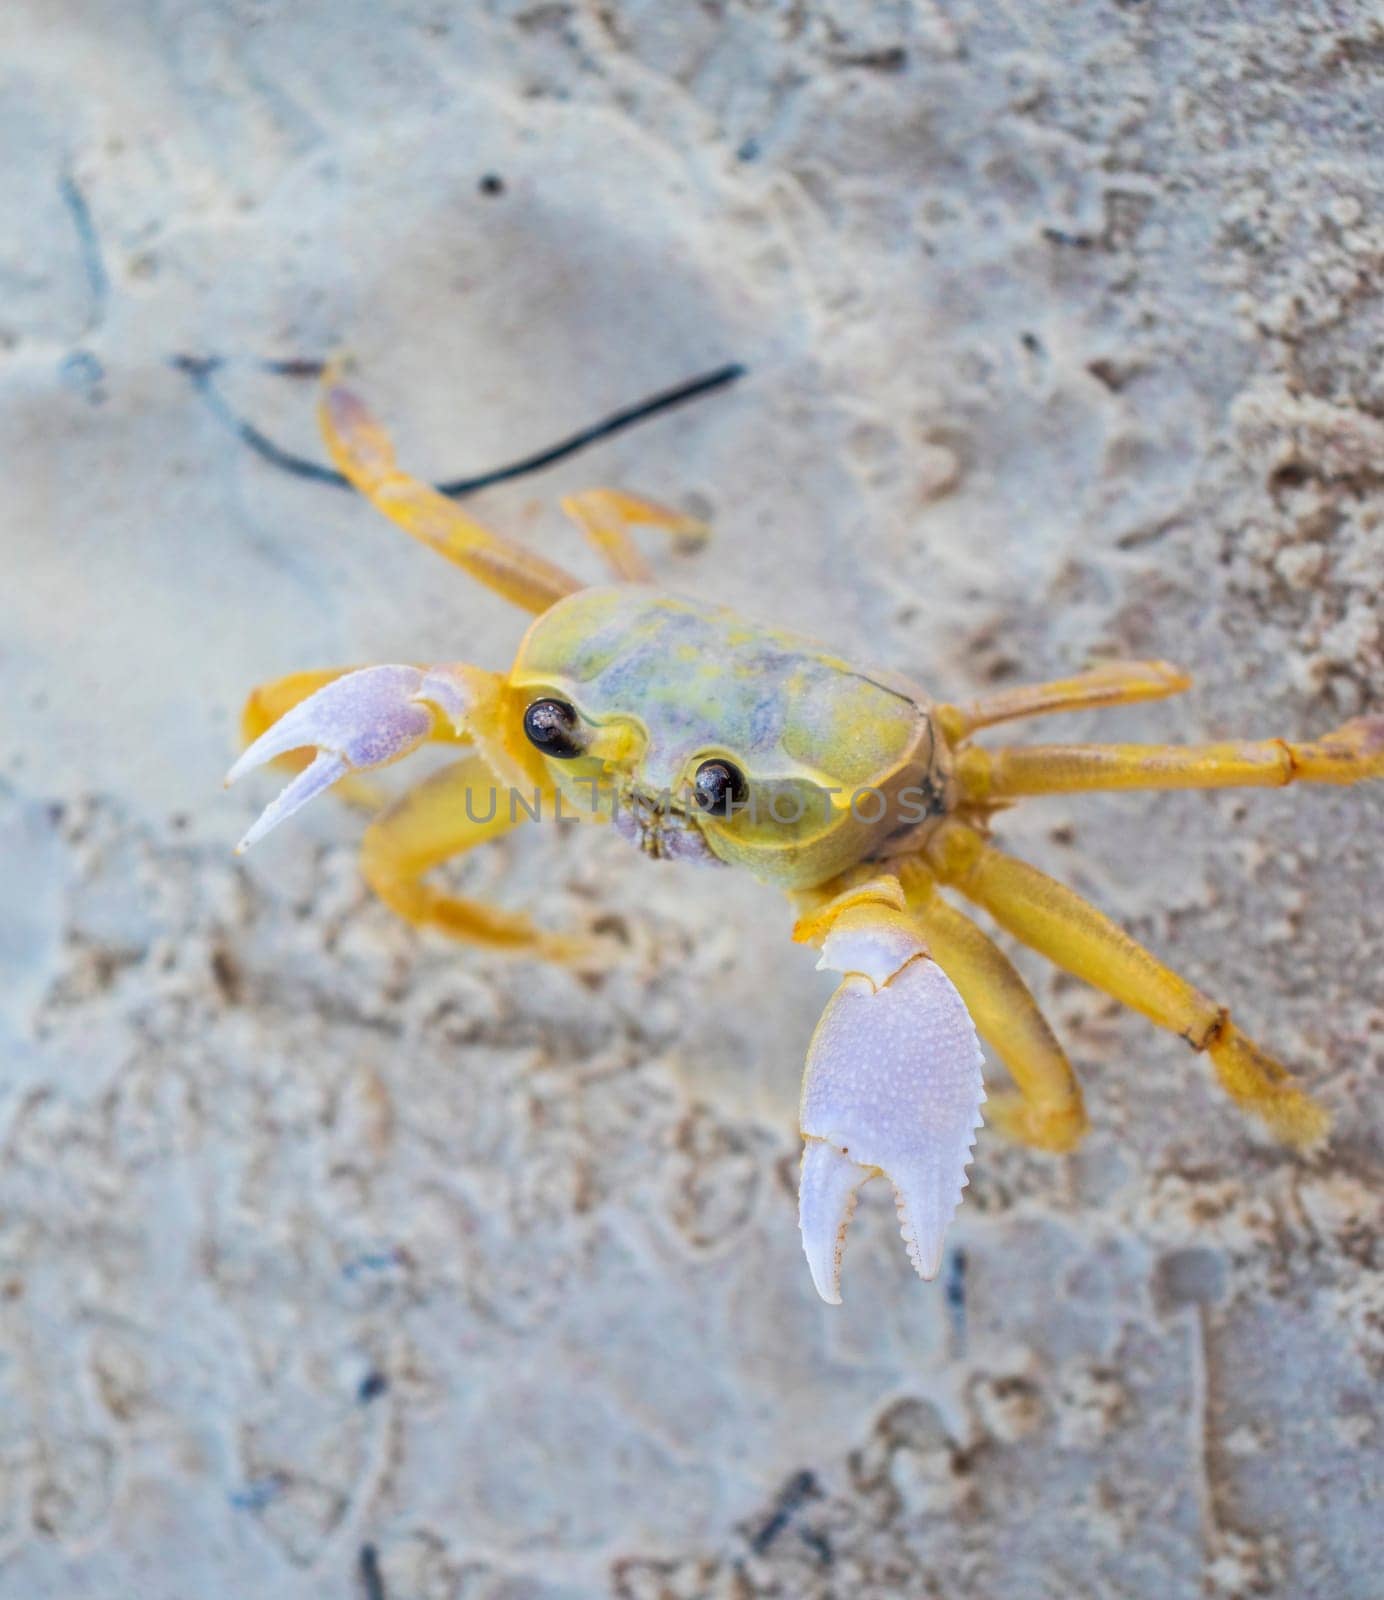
1058, 923
1116, 683
361, 449
1350, 754
1047, 1110
451, 811
605, 517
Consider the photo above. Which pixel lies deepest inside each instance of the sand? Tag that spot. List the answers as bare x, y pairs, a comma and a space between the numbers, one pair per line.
1064, 336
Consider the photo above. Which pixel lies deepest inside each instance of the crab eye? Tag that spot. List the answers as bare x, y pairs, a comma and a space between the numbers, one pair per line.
718, 786
551, 725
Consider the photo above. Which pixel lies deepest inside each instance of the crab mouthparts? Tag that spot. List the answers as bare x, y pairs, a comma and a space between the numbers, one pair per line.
660, 830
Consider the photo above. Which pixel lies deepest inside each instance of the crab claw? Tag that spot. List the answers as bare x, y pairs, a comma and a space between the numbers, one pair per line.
362, 720
892, 1086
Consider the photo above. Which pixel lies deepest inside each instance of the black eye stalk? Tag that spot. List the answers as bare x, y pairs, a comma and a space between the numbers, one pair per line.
551, 726
718, 787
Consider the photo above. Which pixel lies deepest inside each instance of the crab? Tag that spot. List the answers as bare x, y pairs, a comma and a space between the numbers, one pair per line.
704, 737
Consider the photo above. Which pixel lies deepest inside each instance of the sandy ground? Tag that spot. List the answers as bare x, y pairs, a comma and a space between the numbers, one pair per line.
1065, 338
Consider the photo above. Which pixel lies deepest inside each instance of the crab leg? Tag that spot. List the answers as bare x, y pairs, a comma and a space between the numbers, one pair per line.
1045, 1109
1071, 933
448, 813
1113, 683
892, 1085
1350, 754
605, 516
361, 449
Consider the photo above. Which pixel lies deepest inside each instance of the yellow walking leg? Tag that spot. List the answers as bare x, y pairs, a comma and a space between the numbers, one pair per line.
1115, 683
1349, 755
454, 810
605, 516
1047, 1110
1070, 932
361, 449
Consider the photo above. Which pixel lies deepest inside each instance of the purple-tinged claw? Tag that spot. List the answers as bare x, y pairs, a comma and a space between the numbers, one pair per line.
309, 783
892, 1087
365, 719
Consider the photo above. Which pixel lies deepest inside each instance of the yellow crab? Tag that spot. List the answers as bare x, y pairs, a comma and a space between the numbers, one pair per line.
706, 737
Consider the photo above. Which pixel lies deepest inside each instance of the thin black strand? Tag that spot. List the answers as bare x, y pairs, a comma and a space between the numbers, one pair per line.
202, 371
371, 1578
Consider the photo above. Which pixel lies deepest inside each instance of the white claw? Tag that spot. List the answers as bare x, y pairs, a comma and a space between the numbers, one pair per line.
893, 1086
309, 783
827, 1193
362, 720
